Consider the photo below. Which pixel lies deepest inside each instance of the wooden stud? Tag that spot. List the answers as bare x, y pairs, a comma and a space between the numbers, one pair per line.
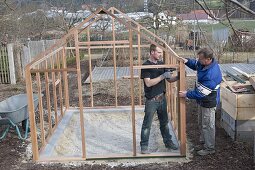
182, 110
166, 61
114, 62
103, 42
40, 108
47, 89
132, 89
55, 104
77, 53
156, 66
108, 46
66, 90
53, 70
31, 108
90, 71
139, 63
60, 89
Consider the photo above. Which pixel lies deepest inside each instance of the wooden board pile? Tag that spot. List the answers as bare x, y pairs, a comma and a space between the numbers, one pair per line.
238, 107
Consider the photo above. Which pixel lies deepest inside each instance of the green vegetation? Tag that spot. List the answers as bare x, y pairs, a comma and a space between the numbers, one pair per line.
213, 4
248, 25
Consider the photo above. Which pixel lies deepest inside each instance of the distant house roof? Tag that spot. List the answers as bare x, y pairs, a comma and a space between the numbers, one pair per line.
193, 15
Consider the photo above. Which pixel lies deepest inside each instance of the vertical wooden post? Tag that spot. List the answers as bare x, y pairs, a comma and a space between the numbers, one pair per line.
66, 90
182, 110
52, 61
31, 114
40, 107
139, 63
114, 61
132, 88
168, 85
77, 56
47, 89
90, 70
60, 89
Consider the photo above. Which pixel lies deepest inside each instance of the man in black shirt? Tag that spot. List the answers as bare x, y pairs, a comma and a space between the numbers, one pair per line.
155, 89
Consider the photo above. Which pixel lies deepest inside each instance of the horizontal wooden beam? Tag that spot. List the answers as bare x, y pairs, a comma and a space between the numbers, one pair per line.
157, 66
104, 42
129, 77
52, 70
107, 47
111, 156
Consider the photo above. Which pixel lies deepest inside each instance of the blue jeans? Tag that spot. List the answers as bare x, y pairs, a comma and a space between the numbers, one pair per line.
151, 106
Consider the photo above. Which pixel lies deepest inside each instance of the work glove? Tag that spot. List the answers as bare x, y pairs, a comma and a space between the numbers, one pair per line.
166, 75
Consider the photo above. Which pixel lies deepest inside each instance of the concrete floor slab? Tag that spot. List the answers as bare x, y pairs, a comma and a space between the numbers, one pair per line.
107, 132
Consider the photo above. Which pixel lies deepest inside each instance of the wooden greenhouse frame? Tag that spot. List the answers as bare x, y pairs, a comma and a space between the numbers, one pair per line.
52, 66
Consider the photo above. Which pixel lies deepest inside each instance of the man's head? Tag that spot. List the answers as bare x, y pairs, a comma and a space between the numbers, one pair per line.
205, 56
155, 52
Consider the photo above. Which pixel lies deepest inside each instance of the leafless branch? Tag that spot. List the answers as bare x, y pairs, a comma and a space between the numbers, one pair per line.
234, 30
242, 6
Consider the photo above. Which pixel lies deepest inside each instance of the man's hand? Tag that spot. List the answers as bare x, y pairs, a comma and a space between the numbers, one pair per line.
166, 75
184, 60
182, 93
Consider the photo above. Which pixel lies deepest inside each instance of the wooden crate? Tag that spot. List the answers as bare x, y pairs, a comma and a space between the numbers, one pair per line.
240, 130
240, 106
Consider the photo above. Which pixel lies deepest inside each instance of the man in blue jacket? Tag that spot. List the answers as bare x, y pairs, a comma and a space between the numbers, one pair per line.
206, 93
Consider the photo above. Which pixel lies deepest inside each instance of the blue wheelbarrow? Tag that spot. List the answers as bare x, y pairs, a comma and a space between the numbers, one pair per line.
14, 110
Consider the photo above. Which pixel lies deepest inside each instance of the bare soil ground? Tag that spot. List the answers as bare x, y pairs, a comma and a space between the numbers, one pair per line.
16, 154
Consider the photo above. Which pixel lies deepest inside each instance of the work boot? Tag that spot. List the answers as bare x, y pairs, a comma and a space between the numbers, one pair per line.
171, 145
204, 152
198, 147
144, 150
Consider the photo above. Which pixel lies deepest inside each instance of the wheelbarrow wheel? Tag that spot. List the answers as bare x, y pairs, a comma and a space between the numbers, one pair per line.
24, 125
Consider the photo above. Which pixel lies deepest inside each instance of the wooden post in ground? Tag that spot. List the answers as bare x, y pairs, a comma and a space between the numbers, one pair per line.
132, 89
182, 110
66, 90
47, 89
40, 108
31, 114
139, 63
90, 70
53, 75
168, 86
114, 61
60, 88
77, 56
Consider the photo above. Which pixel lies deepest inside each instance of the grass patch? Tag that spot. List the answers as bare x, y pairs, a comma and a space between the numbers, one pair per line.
237, 24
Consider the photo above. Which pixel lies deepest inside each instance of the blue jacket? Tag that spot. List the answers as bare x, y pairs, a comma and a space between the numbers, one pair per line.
207, 90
